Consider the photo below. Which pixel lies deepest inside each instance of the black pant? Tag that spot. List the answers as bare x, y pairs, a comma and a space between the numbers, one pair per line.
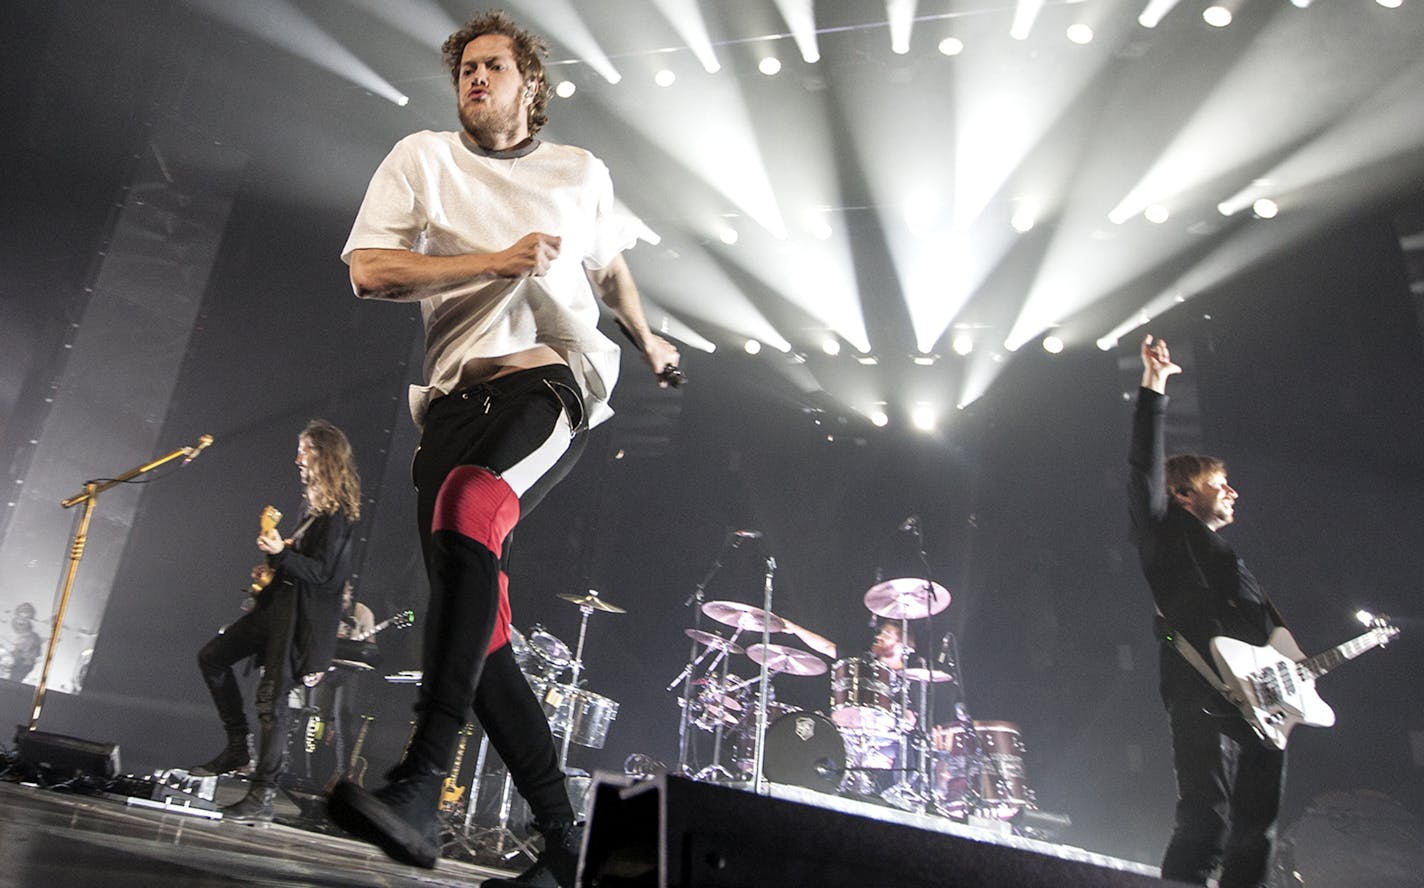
501, 426
332, 697
265, 632
1229, 788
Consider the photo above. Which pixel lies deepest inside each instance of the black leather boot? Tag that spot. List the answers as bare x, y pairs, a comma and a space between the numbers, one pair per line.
401, 818
236, 754
255, 807
557, 864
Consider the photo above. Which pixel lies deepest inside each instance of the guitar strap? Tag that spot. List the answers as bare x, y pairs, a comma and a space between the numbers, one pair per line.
1194, 657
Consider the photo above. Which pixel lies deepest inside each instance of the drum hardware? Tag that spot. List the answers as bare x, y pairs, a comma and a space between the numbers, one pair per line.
589, 714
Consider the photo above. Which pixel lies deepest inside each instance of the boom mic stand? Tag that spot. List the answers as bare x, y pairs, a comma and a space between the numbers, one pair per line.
694, 601
90, 497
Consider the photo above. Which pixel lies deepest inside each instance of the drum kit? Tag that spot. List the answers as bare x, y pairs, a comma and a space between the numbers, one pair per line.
869, 745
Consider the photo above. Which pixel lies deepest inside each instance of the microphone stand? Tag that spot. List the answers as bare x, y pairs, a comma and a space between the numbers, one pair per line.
759, 782
694, 601
90, 498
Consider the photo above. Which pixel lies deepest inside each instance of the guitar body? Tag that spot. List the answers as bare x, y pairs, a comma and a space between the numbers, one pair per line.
1273, 694
262, 575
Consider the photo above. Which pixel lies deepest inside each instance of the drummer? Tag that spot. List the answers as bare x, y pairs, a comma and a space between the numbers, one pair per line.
887, 646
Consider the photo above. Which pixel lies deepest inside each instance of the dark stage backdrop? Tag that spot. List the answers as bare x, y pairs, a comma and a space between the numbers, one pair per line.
1307, 372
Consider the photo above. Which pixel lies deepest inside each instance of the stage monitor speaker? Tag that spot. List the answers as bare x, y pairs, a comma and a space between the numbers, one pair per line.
672, 832
62, 758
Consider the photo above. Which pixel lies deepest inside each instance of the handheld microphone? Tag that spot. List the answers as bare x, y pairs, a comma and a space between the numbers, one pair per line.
204, 443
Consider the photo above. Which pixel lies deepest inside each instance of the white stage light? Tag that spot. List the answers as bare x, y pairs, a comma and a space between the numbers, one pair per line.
728, 235
1265, 208
923, 417
565, 89
665, 78
403, 101
951, 46
924, 360
1156, 214
1080, 34
1365, 617
1216, 16
963, 344
1052, 344
831, 346
867, 360
753, 347
770, 66
879, 418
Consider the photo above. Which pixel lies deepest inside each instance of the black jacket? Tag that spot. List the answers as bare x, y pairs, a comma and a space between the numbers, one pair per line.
310, 574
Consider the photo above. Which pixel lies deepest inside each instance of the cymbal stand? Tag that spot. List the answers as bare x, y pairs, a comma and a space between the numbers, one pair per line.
694, 659
492, 840
586, 610
759, 782
715, 771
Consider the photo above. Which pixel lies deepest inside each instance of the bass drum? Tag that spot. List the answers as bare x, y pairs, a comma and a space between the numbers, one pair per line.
804, 749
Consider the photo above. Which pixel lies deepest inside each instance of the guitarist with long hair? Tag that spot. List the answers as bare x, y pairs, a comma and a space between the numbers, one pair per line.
1229, 781
292, 628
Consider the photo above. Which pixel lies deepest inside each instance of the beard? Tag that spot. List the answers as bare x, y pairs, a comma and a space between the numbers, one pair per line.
487, 124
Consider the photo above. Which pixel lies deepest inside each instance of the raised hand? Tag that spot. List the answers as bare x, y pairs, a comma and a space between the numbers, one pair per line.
1156, 364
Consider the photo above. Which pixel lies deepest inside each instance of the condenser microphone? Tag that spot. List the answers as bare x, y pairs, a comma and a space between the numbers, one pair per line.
204, 443
910, 523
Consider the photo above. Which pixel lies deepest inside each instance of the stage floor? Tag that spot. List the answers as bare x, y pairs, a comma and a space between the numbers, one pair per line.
63, 840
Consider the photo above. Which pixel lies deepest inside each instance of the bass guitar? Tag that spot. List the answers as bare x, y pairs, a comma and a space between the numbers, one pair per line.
1273, 685
359, 652
262, 574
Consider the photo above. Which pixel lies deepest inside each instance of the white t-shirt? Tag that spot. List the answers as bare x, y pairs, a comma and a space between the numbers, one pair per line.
438, 195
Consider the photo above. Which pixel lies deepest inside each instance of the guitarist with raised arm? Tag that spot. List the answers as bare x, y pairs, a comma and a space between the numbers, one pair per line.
1229, 781
291, 630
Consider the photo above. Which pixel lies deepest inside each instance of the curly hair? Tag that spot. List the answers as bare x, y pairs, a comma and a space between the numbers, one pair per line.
334, 483
529, 50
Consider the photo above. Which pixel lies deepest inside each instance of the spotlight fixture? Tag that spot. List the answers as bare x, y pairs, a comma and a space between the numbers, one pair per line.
565, 89
1156, 214
924, 360
879, 418
770, 66
665, 78
403, 101
752, 347
1052, 344
1080, 34
1265, 208
867, 359
951, 46
831, 346
963, 344
1216, 16
923, 417
728, 235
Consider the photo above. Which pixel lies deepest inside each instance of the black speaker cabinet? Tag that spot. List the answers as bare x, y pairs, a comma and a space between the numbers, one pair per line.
62, 757
672, 832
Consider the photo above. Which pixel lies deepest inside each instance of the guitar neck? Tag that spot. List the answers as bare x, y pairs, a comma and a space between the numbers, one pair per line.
1323, 662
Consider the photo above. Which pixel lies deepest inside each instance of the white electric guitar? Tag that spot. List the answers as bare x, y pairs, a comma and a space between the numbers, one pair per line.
1274, 685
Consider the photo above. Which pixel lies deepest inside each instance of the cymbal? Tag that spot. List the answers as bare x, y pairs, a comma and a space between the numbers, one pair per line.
818, 643
592, 600
906, 598
743, 616
779, 658
920, 674
711, 639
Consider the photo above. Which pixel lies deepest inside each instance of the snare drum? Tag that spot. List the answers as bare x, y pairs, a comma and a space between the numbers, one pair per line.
583, 715
551, 656
861, 696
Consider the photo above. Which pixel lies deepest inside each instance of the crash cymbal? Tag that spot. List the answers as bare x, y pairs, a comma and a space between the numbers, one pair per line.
712, 639
818, 643
906, 598
592, 600
743, 616
934, 675
780, 658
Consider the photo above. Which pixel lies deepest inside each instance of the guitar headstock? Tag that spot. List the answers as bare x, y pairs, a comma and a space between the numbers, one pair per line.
403, 620
1382, 629
268, 520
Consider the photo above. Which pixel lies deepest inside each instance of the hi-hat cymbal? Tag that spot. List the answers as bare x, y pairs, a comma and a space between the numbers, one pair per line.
920, 674
712, 639
743, 616
592, 600
779, 658
906, 598
818, 643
